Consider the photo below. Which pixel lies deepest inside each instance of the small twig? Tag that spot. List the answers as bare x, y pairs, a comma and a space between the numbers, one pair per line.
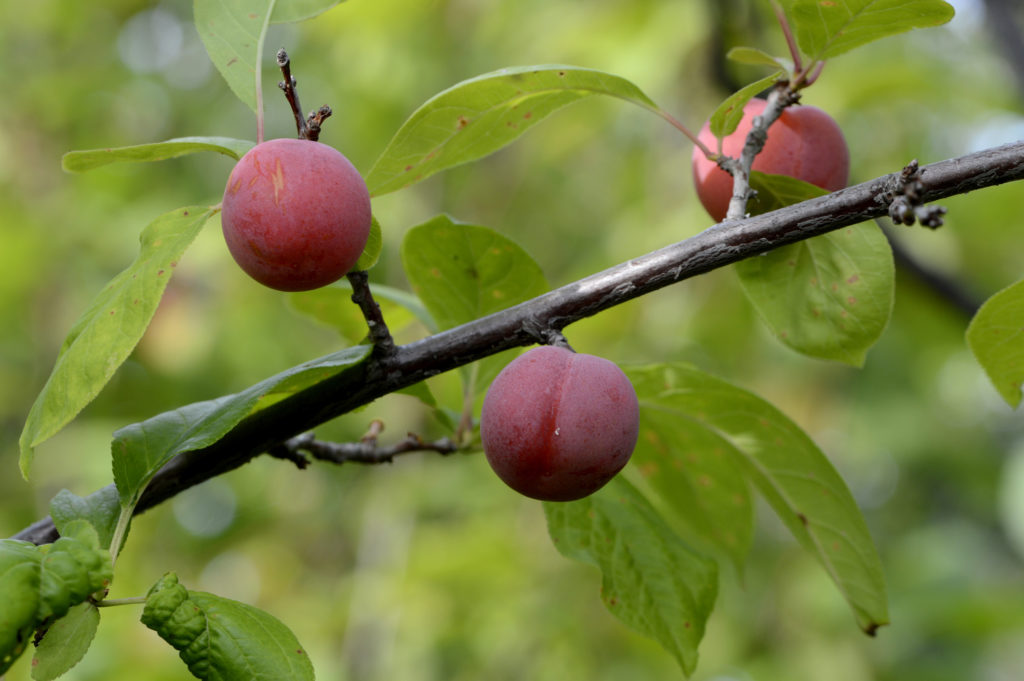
291, 94
112, 602
366, 450
780, 97
315, 120
363, 297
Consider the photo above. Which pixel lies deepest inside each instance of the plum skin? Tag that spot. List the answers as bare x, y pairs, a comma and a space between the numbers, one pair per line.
296, 214
557, 425
805, 143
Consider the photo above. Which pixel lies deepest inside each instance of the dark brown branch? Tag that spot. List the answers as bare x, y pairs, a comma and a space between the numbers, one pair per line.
713, 248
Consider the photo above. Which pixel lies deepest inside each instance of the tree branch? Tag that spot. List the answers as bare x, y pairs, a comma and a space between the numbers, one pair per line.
711, 249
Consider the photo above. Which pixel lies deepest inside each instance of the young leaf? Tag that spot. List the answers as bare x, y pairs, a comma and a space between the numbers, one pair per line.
141, 449
39, 584
233, 34
79, 161
996, 337
463, 272
221, 639
479, 116
100, 509
19, 598
106, 333
827, 29
756, 57
651, 580
793, 475
726, 118
830, 296
71, 571
298, 10
66, 642
689, 467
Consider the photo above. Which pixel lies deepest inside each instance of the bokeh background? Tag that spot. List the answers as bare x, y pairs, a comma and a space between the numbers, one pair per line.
430, 568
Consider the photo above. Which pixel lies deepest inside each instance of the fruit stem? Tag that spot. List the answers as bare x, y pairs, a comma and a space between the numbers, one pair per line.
383, 343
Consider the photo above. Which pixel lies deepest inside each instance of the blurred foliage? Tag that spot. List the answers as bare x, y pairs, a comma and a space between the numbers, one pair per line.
430, 568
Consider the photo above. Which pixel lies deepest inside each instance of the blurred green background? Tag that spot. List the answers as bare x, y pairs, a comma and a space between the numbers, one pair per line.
430, 568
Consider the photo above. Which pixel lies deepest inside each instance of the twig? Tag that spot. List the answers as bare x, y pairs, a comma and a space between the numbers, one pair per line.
362, 296
780, 97
366, 451
291, 94
308, 127
714, 248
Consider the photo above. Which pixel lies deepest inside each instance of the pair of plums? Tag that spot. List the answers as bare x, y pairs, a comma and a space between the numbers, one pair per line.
556, 425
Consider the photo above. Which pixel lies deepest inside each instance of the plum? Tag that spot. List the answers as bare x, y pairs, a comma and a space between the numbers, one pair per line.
557, 425
296, 214
805, 143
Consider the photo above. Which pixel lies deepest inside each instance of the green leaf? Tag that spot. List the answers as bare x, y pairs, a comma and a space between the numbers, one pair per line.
106, 333
651, 580
71, 571
221, 639
756, 57
39, 584
689, 467
332, 305
827, 28
19, 598
829, 297
479, 116
371, 252
463, 272
996, 337
142, 449
779, 191
789, 470
299, 10
100, 509
79, 161
729, 113
233, 32
66, 642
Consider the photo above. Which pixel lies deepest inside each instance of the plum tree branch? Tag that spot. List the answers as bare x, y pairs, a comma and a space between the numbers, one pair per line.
714, 248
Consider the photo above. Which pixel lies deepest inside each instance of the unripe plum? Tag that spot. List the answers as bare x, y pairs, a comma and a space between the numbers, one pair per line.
805, 143
296, 214
557, 425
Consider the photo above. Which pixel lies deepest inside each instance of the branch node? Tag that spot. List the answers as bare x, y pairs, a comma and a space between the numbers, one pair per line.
906, 202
